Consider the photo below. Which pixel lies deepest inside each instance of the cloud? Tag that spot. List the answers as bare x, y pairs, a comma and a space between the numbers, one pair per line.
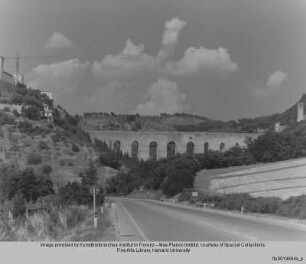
130, 62
275, 83
133, 62
58, 40
67, 80
118, 81
110, 97
276, 80
171, 34
163, 97
62, 70
172, 31
74, 88
197, 60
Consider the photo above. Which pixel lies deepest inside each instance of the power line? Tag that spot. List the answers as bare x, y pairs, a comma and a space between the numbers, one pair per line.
18, 58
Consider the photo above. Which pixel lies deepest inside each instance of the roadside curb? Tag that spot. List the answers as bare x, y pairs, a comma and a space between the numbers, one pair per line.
114, 220
259, 218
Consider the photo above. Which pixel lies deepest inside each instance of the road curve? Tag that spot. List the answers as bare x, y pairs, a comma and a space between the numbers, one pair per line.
140, 220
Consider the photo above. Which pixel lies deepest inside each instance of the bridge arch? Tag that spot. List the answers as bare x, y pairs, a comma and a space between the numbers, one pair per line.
190, 148
206, 147
171, 149
222, 146
134, 149
153, 150
117, 146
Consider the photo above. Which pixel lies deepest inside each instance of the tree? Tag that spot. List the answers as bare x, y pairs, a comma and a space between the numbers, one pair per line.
29, 186
89, 176
47, 169
32, 112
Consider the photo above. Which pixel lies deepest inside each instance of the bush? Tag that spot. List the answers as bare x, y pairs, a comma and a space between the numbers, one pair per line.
272, 146
42, 145
47, 169
32, 112
75, 147
75, 215
6, 109
111, 159
25, 127
293, 207
16, 113
34, 159
19, 205
5, 119
29, 185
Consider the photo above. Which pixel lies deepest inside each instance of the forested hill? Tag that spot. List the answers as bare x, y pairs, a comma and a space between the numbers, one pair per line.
188, 122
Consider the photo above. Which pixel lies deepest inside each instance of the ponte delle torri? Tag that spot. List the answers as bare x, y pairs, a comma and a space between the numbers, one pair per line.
156, 145
161, 144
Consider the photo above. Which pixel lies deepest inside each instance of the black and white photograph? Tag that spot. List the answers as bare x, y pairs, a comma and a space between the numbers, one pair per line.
153, 131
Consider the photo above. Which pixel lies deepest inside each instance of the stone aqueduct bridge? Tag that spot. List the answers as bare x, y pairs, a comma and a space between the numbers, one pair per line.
156, 145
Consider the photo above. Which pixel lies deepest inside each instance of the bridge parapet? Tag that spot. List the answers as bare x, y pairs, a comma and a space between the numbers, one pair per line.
198, 142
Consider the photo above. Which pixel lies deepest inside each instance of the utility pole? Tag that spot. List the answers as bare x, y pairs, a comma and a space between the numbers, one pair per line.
94, 207
17, 65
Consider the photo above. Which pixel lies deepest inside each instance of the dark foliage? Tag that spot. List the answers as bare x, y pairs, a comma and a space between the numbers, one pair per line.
47, 169
69, 124
81, 193
5, 119
30, 186
292, 207
111, 159
100, 145
75, 147
272, 147
34, 159
235, 156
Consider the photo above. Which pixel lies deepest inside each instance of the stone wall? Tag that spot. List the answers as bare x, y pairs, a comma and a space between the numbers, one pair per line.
6, 90
181, 139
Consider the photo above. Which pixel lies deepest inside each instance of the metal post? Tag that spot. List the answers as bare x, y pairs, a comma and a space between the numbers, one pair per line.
94, 207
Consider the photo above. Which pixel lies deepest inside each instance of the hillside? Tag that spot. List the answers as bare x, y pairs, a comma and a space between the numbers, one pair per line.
280, 179
29, 139
187, 122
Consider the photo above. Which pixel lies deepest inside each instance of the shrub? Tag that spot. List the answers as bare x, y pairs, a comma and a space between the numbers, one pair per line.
19, 205
5, 119
75, 147
29, 185
16, 113
47, 169
25, 127
62, 162
293, 207
6, 109
42, 145
111, 159
34, 159
75, 215
32, 112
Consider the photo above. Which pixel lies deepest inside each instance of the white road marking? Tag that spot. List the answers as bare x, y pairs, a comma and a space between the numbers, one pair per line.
202, 222
231, 232
135, 224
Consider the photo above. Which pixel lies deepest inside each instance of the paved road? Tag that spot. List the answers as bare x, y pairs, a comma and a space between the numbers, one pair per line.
157, 221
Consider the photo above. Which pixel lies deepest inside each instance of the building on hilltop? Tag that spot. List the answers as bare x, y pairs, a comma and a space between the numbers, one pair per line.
278, 127
300, 112
49, 94
48, 112
7, 82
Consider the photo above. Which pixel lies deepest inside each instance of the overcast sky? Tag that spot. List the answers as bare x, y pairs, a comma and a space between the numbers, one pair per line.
224, 59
